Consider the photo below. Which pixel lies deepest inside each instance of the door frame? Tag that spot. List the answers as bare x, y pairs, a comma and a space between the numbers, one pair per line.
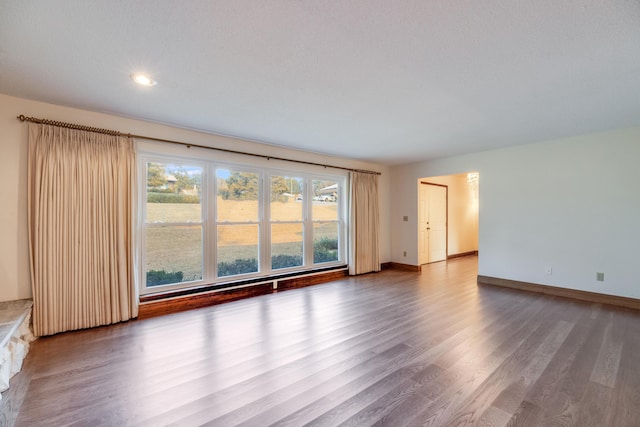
446, 226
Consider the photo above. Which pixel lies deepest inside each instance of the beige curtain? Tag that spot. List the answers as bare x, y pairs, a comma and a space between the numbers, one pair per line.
364, 245
80, 207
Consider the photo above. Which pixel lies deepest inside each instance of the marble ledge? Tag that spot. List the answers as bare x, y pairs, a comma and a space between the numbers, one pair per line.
15, 336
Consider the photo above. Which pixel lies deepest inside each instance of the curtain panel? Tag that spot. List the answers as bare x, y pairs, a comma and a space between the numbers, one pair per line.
80, 207
364, 244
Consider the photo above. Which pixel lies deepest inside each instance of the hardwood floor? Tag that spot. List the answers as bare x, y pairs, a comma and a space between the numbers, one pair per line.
388, 349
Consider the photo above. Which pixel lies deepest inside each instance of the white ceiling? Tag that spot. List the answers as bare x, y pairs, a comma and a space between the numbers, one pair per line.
388, 81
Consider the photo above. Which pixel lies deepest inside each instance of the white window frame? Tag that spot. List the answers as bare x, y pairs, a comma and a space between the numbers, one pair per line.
341, 220
269, 220
210, 223
142, 225
214, 217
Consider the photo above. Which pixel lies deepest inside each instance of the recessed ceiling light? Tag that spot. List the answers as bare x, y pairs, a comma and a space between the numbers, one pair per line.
143, 80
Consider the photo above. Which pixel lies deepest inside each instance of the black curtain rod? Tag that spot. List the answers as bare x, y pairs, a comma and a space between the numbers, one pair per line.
24, 118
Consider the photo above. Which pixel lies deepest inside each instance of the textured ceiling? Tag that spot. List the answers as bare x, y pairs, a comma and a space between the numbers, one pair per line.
377, 80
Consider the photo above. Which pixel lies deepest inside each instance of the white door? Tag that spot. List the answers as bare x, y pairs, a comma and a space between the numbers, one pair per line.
423, 223
437, 226
432, 223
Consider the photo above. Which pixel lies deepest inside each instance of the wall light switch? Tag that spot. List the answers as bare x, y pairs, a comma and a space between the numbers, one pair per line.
405, 218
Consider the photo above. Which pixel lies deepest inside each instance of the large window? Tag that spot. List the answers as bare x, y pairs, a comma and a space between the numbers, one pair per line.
287, 221
237, 224
173, 224
326, 220
211, 223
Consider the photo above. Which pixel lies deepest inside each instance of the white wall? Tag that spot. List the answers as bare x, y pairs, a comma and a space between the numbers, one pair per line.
572, 204
462, 221
14, 254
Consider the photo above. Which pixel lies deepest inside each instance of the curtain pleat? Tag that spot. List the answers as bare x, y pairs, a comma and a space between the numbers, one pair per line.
364, 244
80, 207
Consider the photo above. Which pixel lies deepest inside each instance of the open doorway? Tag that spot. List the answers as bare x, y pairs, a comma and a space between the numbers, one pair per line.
432, 222
447, 217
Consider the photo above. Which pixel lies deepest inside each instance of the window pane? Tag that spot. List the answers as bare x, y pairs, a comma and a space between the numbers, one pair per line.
237, 249
173, 193
325, 242
286, 198
286, 245
237, 196
173, 254
325, 200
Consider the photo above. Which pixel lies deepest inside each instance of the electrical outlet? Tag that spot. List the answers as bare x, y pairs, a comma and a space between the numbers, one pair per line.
600, 277
548, 271
404, 253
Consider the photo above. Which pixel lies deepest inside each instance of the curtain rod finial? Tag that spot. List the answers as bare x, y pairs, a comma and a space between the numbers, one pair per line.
22, 117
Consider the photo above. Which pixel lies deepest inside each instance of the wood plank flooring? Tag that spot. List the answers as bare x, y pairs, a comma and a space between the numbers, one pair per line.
388, 349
